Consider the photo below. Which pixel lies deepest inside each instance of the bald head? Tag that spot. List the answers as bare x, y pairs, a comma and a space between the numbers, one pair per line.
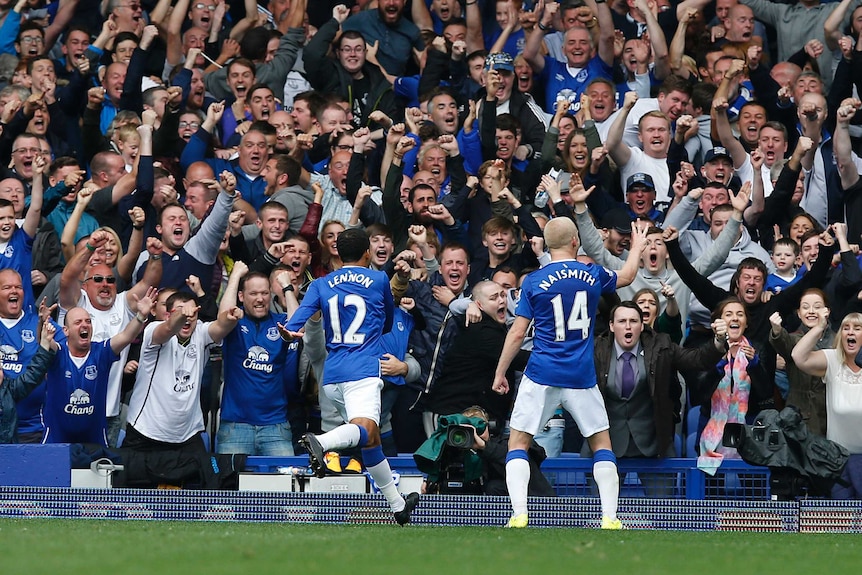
561, 233
199, 171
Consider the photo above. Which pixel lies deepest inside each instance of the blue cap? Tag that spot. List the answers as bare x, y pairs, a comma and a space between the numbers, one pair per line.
640, 179
501, 61
716, 152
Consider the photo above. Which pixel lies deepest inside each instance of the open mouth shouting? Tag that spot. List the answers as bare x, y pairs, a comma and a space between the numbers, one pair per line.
851, 344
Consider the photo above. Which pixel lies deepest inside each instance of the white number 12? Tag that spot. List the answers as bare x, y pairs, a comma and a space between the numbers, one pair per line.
350, 336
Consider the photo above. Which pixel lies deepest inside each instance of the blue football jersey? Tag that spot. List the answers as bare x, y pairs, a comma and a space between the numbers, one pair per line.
18, 345
76, 397
561, 85
562, 299
357, 310
255, 357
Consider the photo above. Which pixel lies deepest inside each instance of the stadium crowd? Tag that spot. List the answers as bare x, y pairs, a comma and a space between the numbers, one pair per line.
178, 173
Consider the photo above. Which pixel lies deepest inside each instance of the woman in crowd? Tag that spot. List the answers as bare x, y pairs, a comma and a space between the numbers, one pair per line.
843, 379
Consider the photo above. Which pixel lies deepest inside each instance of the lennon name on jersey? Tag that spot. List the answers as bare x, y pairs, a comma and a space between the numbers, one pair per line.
350, 276
564, 274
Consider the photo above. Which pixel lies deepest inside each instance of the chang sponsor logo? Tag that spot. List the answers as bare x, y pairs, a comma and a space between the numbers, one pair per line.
9, 359
79, 403
257, 360
183, 382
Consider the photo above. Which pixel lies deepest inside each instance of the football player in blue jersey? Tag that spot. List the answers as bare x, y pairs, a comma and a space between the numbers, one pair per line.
561, 300
357, 307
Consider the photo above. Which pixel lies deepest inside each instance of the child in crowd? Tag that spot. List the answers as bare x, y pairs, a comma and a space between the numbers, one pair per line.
785, 254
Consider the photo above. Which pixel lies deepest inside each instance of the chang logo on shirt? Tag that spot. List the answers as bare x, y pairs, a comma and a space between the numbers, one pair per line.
79, 403
257, 360
571, 97
183, 382
9, 359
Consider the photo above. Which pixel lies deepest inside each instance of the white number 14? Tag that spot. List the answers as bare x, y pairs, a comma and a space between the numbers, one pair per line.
579, 317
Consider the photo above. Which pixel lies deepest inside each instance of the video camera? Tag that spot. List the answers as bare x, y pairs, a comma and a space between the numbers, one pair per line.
448, 457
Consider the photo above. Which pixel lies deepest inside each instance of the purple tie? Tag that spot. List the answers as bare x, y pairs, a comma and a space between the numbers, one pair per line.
628, 382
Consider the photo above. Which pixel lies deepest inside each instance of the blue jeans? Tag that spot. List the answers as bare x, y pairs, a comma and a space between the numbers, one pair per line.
270, 440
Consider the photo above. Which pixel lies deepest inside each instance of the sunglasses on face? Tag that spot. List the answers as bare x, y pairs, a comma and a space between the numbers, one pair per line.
102, 279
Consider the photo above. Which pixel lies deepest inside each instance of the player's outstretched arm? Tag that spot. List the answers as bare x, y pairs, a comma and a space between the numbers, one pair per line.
510, 349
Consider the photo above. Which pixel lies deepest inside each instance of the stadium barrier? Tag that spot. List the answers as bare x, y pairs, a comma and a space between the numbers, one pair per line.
677, 478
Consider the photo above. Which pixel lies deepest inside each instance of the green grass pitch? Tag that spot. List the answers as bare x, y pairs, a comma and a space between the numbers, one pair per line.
69, 547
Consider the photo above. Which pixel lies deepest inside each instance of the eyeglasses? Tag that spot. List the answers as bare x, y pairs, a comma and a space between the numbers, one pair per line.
193, 125
110, 280
346, 147
31, 40
202, 6
26, 150
353, 50
134, 6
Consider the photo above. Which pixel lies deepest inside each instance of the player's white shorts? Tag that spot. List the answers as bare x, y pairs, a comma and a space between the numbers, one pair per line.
354, 399
536, 403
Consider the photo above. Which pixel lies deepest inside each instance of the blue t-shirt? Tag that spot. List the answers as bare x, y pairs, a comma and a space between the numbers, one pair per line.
357, 310
255, 359
18, 345
777, 284
18, 256
562, 299
396, 341
562, 85
76, 397
514, 43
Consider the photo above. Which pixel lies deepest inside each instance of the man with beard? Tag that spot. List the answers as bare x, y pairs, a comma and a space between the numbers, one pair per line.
246, 169
110, 312
78, 379
256, 362
349, 76
395, 36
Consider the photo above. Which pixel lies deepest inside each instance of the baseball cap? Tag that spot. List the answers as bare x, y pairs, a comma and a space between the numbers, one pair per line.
640, 179
716, 152
501, 61
617, 219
